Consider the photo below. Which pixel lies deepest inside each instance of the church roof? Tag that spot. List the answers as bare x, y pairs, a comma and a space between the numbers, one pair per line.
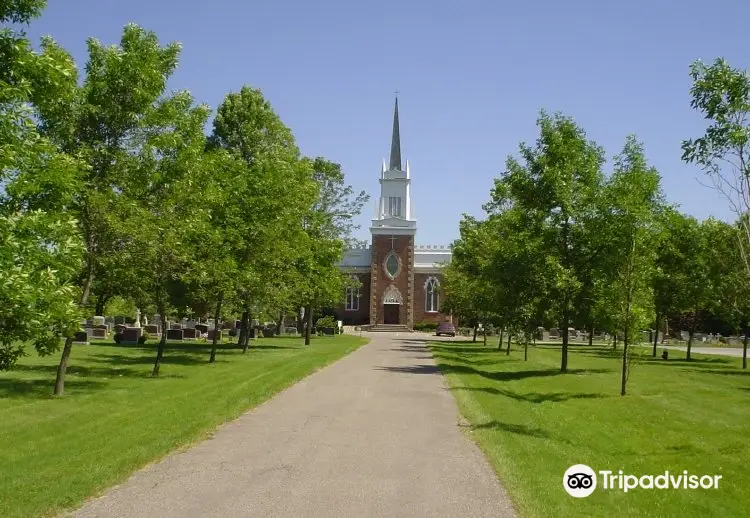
395, 164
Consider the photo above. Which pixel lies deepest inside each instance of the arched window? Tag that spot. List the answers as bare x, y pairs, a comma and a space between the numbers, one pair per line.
352, 299
431, 295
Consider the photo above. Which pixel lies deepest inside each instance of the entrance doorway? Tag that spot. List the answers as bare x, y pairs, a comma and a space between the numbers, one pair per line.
391, 313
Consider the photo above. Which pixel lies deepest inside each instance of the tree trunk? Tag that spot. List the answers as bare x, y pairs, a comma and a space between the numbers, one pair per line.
500, 343
244, 331
248, 318
624, 359
656, 336
280, 323
744, 350
614, 342
162, 342
507, 350
68, 347
217, 328
308, 326
484, 333
591, 335
692, 332
525, 350
564, 353
100, 303
475, 333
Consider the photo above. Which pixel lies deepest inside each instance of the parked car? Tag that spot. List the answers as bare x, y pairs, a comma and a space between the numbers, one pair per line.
446, 328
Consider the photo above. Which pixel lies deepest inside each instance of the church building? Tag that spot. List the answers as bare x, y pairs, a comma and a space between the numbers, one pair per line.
400, 281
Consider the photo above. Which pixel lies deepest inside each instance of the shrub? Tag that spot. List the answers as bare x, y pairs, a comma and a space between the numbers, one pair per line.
326, 322
425, 326
142, 339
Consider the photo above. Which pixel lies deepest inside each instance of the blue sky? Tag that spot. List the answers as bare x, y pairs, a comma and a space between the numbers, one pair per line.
473, 76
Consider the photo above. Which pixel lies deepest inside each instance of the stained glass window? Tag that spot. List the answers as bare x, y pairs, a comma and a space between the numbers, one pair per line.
391, 265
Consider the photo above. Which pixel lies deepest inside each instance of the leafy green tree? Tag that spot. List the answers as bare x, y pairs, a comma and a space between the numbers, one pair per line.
160, 217
635, 197
41, 248
721, 93
557, 186
102, 122
263, 215
328, 228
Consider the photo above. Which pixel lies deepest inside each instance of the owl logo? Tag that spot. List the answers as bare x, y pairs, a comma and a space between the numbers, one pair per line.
579, 481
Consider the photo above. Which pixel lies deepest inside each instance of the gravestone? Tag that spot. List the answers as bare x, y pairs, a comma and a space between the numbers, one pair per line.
98, 332
554, 333
174, 334
119, 328
151, 330
201, 328
81, 338
211, 333
190, 324
190, 333
227, 325
238, 324
130, 335
175, 325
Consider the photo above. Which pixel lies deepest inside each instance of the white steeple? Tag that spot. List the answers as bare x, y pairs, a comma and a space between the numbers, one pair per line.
394, 213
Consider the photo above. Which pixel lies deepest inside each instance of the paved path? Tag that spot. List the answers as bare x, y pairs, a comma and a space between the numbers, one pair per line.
719, 351
375, 434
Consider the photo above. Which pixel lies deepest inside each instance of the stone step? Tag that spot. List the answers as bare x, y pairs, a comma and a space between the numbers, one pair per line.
390, 328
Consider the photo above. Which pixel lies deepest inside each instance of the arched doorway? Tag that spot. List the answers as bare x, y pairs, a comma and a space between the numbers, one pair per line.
392, 305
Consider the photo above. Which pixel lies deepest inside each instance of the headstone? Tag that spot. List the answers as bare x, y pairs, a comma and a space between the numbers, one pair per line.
98, 332
175, 325
554, 332
98, 320
190, 334
119, 328
201, 328
81, 337
137, 322
174, 334
252, 333
130, 335
151, 330
190, 324
238, 324
227, 325
212, 332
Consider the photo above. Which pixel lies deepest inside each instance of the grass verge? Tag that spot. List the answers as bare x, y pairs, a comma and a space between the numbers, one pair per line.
114, 418
533, 423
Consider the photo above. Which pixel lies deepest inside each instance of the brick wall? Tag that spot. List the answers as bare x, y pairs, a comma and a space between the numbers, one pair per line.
404, 280
420, 315
362, 315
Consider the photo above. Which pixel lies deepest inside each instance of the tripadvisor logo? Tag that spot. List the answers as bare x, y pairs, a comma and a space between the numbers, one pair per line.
580, 481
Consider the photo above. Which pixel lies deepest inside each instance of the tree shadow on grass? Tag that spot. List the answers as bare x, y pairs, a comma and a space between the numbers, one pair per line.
551, 397
721, 372
477, 349
512, 428
167, 359
14, 388
497, 376
86, 371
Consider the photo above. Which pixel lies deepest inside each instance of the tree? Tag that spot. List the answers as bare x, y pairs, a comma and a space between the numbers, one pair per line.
160, 218
101, 122
328, 228
262, 217
41, 248
634, 194
721, 94
557, 186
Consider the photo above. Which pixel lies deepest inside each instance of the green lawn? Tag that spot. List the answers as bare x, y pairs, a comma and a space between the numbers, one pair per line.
533, 423
115, 418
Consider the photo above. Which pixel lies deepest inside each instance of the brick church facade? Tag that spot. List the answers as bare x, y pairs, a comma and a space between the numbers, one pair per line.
400, 282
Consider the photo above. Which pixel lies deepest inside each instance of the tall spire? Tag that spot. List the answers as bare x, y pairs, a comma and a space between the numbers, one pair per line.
395, 142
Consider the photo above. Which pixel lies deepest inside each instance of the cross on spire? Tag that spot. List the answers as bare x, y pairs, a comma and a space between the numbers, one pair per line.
393, 242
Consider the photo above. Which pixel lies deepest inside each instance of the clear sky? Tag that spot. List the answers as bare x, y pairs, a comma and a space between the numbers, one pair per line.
472, 77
